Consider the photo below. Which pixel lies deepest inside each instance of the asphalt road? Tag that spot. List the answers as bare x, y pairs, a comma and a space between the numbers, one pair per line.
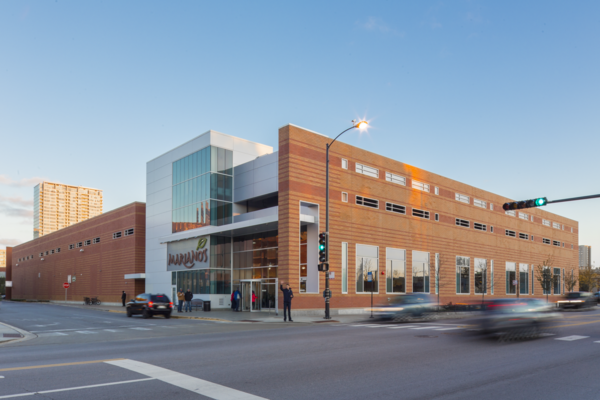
189, 359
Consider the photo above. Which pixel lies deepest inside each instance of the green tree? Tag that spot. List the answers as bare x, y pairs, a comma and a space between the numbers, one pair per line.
588, 278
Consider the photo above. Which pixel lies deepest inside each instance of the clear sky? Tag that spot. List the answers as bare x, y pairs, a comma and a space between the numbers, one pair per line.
500, 95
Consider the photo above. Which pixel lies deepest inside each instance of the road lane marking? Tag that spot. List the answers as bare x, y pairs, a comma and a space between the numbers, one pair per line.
402, 327
86, 332
581, 323
572, 338
142, 329
111, 330
59, 365
10, 396
196, 385
52, 334
447, 329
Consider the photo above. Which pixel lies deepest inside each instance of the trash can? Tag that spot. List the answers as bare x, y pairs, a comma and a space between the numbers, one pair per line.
206, 305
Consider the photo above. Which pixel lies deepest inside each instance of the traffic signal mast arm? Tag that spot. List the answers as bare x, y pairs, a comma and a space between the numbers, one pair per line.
542, 201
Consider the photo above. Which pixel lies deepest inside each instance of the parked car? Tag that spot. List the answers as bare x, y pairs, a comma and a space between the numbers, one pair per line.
149, 304
515, 316
405, 307
597, 297
578, 300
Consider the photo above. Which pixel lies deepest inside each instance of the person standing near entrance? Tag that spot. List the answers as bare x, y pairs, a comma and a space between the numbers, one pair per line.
237, 296
188, 300
253, 300
180, 299
123, 297
288, 295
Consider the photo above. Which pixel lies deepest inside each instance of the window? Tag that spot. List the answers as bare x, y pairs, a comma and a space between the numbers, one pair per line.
437, 216
556, 243
546, 222
546, 281
395, 270
344, 197
367, 265
512, 213
364, 201
462, 222
116, 235
46, 253
491, 207
481, 279
511, 278
129, 232
420, 186
492, 229
546, 241
532, 219
480, 203
400, 180
571, 229
462, 198
96, 240
556, 225
437, 190
523, 236
395, 208
78, 244
480, 227
71, 246
365, 170
420, 213
511, 233
532, 280
556, 280
492, 276
437, 273
420, 267
42, 254
523, 279
463, 265
52, 251
344, 163
303, 258
87, 242
57, 250
524, 216
344, 267
532, 238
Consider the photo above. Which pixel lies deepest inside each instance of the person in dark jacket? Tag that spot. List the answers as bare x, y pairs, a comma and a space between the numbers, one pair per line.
288, 295
123, 297
188, 300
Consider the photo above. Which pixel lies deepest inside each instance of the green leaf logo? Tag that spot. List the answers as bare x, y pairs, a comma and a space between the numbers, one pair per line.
201, 243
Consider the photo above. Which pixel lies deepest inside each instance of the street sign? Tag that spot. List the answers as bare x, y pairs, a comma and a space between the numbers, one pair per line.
69, 278
327, 293
515, 282
73, 279
332, 275
66, 285
370, 277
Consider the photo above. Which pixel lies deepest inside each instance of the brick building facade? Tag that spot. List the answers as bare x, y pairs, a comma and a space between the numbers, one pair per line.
105, 255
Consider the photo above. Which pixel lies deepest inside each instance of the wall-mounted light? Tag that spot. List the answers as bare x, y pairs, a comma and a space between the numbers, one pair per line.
81, 250
17, 265
41, 259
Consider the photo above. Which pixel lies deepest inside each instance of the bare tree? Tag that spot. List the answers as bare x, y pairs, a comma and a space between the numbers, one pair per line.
570, 280
544, 275
483, 279
588, 278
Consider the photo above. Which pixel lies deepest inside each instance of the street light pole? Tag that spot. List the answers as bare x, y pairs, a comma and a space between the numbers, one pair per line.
360, 125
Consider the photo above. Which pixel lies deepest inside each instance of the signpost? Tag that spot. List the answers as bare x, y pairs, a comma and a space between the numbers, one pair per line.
66, 286
370, 279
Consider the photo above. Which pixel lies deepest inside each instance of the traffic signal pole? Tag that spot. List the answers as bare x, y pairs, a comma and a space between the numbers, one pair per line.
327, 316
542, 201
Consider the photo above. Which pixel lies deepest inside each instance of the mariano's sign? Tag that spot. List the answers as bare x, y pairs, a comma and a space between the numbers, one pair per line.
188, 254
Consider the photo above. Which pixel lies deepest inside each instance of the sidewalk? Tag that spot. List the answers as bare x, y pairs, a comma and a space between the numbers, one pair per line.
231, 316
9, 333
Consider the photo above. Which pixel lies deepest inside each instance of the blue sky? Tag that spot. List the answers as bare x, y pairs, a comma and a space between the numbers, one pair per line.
499, 95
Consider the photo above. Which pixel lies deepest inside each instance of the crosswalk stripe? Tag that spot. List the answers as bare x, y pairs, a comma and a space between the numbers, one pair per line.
572, 338
427, 327
86, 332
447, 329
111, 330
52, 334
142, 329
402, 327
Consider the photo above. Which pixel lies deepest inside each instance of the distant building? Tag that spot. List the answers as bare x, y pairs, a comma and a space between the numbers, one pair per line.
585, 255
56, 206
2, 263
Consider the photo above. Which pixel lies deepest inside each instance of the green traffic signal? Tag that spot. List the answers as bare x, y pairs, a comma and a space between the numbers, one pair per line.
322, 247
541, 201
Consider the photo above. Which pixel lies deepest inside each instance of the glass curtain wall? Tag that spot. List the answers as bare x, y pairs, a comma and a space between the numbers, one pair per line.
556, 280
523, 279
420, 271
395, 270
203, 189
255, 256
367, 260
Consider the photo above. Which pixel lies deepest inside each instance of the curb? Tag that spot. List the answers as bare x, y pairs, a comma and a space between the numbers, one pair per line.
26, 335
179, 317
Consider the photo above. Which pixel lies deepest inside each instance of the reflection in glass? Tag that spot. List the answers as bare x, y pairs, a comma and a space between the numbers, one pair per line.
463, 265
395, 276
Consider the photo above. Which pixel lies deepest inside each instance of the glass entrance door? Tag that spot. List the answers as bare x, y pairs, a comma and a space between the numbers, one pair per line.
246, 296
267, 297
256, 296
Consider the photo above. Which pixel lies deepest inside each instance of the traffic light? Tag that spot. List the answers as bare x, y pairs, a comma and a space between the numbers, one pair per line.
518, 205
323, 251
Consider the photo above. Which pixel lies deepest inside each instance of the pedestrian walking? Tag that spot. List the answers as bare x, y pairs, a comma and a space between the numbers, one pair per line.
288, 295
180, 299
123, 297
188, 300
237, 296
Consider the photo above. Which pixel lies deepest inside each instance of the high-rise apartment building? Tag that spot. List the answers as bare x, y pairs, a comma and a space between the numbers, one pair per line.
585, 255
56, 206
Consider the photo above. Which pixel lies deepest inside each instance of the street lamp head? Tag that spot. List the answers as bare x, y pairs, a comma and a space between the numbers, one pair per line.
361, 125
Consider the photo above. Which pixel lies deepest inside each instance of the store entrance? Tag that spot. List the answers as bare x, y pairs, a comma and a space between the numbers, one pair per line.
251, 290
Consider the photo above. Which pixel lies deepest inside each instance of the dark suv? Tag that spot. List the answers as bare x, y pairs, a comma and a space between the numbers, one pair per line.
149, 304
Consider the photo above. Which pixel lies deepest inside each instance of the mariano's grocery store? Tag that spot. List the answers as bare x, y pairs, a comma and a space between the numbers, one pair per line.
225, 213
